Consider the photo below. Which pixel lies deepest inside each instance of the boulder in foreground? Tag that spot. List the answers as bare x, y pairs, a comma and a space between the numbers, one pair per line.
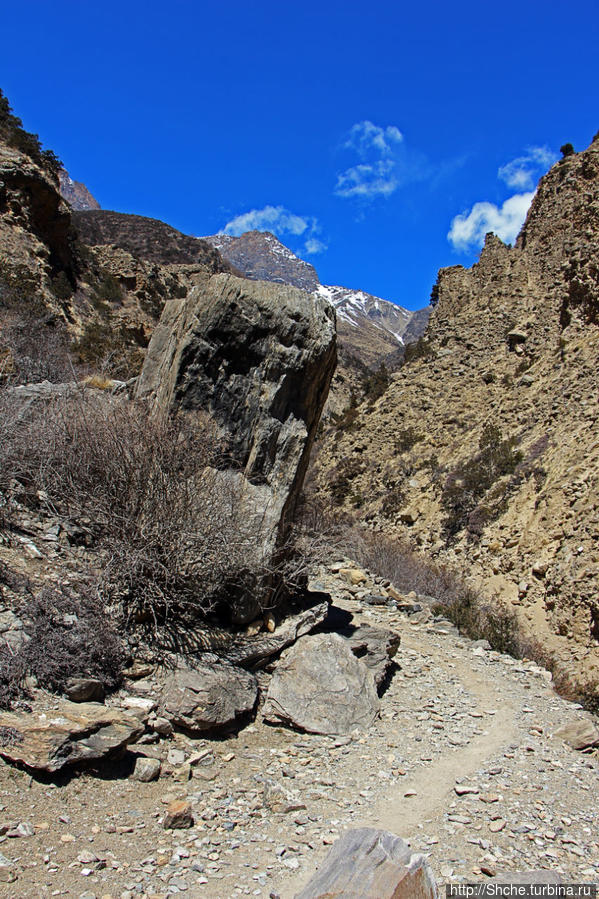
208, 696
65, 733
371, 864
321, 687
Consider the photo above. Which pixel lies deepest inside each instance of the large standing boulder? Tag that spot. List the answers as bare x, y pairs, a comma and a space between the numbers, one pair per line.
259, 357
321, 687
371, 864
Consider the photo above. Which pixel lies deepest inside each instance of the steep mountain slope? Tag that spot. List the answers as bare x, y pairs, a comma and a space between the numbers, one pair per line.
260, 256
76, 193
146, 238
483, 451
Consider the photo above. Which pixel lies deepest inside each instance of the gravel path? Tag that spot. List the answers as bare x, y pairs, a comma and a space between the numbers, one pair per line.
462, 763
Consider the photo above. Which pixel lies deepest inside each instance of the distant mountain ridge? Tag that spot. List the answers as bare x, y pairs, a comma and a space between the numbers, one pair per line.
262, 257
146, 238
76, 193
370, 328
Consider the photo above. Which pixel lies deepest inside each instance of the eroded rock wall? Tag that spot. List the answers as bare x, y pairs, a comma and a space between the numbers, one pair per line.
512, 345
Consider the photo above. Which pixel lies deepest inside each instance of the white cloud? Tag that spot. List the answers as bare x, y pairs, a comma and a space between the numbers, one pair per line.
469, 228
314, 246
365, 137
271, 218
376, 179
383, 164
524, 172
283, 223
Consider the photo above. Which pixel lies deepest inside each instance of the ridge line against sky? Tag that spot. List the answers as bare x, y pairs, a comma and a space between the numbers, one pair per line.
380, 143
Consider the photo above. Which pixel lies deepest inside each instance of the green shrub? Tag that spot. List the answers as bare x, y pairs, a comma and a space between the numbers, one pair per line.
421, 349
566, 150
374, 384
467, 484
13, 133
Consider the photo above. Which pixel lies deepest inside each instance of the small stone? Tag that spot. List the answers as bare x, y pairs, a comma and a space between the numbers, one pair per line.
497, 826
24, 829
176, 757
84, 689
178, 815
182, 774
146, 769
162, 726
465, 790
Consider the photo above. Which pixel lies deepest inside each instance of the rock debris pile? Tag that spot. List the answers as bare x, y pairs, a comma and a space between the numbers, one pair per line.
465, 761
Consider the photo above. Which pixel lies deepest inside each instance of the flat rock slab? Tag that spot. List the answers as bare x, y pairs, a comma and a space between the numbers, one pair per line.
371, 864
208, 696
252, 650
321, 687
67, 733
579, 734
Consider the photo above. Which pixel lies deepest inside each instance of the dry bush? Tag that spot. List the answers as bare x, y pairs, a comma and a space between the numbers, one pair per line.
180, 532
12, 677
70, 636
394, 559
67, 635
33, 348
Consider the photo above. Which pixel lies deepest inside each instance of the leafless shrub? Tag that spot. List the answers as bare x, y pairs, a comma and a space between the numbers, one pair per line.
70, 636
394, 559
67, 635
12, 676
33, 348
181, 533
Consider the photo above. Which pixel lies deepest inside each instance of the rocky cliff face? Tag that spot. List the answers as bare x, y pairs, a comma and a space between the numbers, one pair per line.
483, 450
35, 225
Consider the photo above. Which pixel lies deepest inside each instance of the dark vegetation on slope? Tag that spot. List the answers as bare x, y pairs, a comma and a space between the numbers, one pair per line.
13, 134
147, 238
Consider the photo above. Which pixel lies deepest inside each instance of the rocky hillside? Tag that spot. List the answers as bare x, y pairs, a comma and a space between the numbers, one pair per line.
76, 193
146, 238
84, 285
260, 256
483, 452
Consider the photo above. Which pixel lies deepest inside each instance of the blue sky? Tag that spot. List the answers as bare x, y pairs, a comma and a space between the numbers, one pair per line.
362, 133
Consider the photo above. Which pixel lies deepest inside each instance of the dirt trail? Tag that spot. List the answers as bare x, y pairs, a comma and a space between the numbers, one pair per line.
452, 712
434, 785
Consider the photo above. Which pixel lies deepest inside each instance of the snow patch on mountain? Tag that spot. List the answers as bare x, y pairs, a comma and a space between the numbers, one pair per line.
353, 306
